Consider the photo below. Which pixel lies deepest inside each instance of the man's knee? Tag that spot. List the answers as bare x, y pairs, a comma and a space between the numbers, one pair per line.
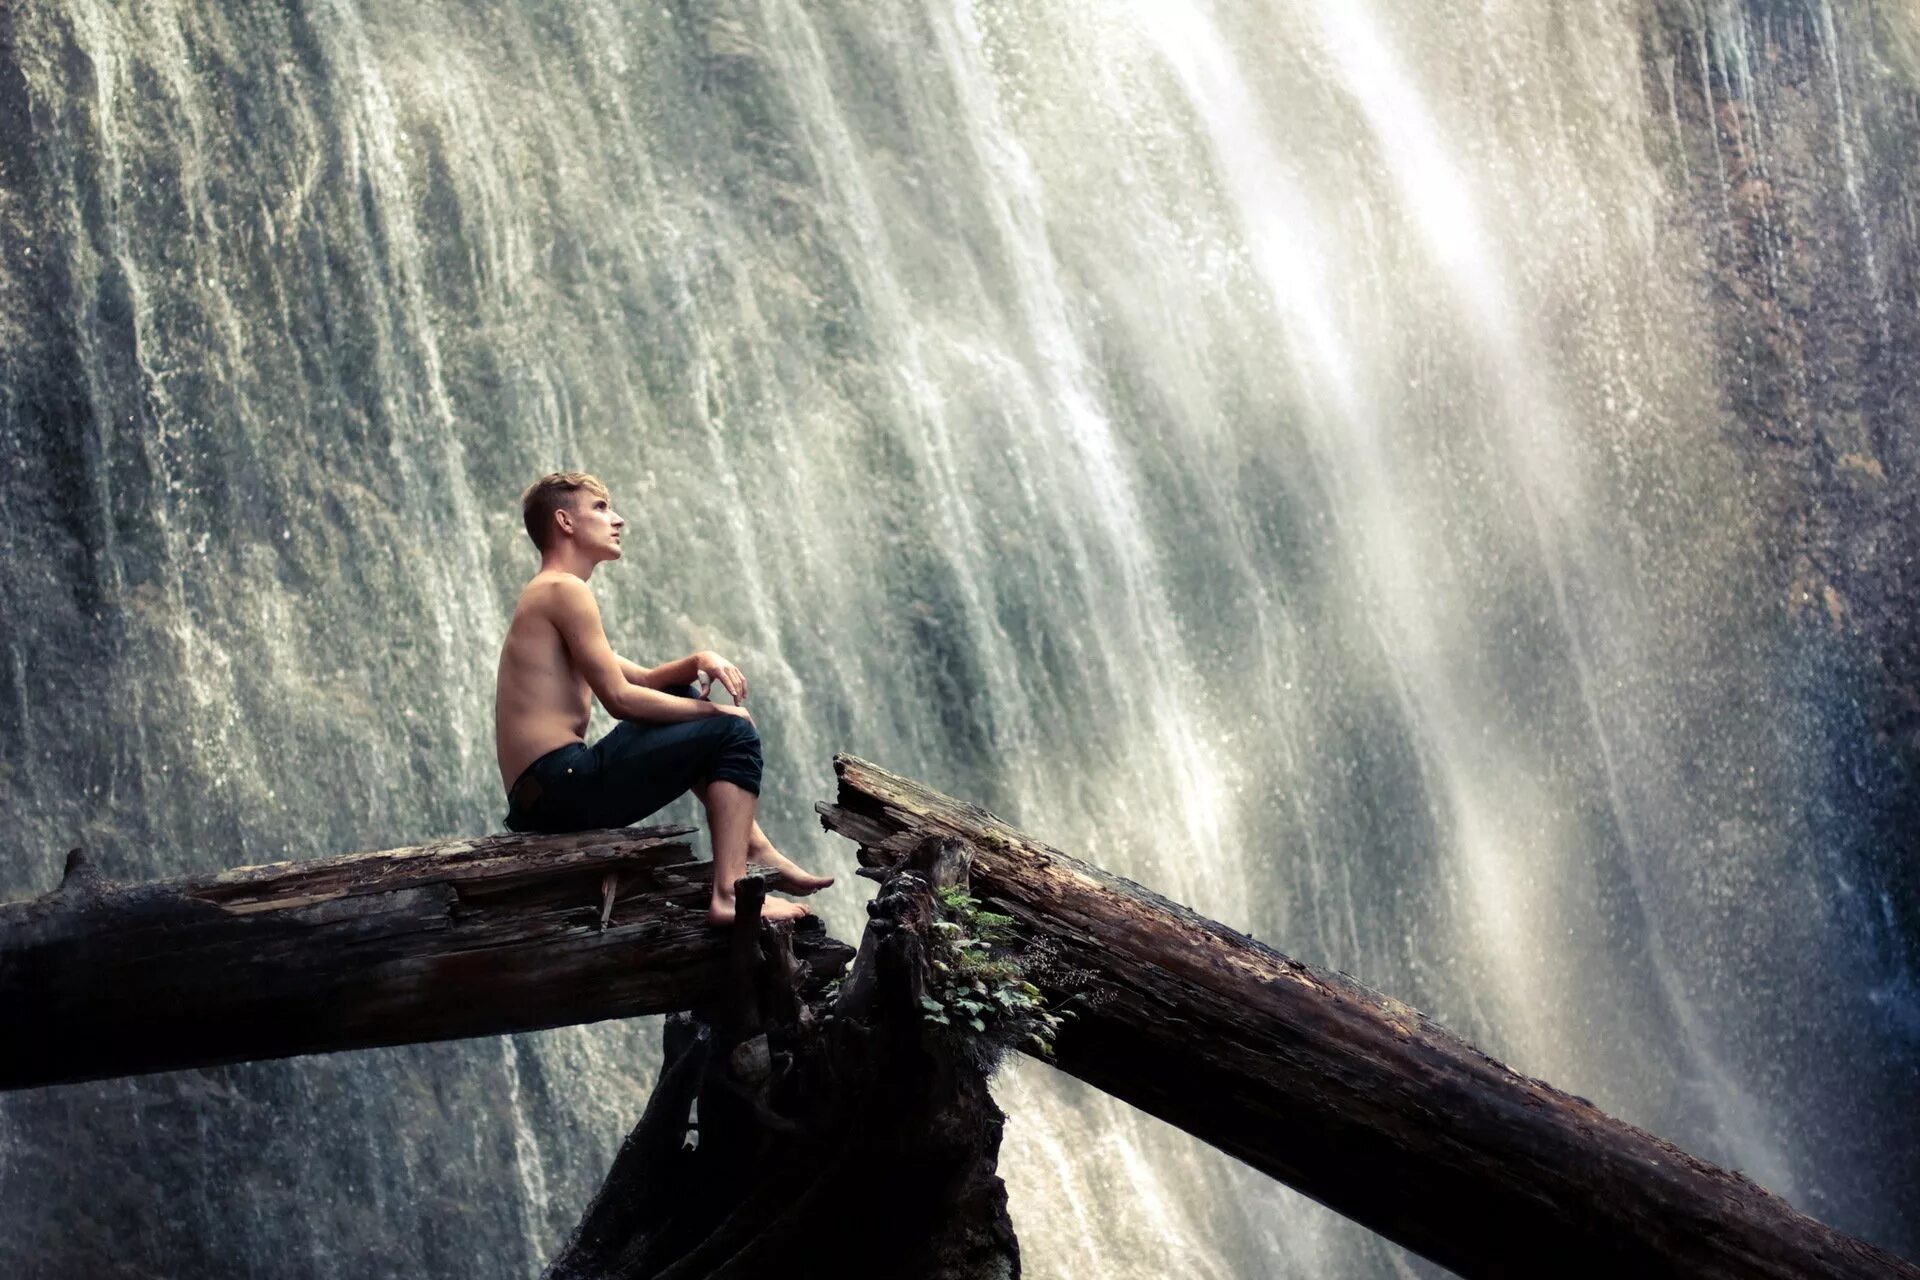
742, 740
736, 756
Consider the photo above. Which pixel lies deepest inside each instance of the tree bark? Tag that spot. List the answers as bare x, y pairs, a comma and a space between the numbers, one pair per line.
805, 1104
458, 938
1346, 1095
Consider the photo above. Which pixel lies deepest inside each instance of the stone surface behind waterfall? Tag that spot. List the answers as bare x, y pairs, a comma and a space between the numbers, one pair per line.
1430, 485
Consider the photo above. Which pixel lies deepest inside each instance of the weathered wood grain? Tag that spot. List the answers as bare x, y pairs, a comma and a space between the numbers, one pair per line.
807, 1104
458, 938
1341, 1092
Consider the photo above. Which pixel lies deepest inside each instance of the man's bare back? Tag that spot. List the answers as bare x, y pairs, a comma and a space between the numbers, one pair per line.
541, 700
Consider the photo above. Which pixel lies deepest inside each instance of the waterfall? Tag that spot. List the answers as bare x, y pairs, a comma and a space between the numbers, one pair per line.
1417, 480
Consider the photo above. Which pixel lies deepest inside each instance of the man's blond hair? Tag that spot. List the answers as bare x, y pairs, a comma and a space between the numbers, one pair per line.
549, 494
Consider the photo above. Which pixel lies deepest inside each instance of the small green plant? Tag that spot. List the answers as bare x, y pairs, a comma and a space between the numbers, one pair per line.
978, 982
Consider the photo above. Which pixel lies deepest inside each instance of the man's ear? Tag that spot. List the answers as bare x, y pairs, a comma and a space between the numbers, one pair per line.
565, 519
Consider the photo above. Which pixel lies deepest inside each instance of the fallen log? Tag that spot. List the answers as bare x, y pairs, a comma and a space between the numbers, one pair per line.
1346, 1095
459, 938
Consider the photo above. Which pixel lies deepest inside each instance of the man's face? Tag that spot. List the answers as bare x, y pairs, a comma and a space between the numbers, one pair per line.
596, 529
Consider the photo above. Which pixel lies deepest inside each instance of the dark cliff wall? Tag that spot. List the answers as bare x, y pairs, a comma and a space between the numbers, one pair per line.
1795, 134
1788, 139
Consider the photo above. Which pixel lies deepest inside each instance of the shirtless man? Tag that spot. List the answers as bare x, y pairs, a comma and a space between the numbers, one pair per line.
671, 738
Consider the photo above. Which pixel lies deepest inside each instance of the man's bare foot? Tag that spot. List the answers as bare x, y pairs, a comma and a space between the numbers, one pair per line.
772, 909
789, 878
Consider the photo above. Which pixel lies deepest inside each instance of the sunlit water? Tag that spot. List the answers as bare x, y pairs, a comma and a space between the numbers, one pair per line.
1275, 450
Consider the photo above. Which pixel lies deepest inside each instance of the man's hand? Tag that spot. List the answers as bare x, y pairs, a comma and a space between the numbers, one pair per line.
708, 663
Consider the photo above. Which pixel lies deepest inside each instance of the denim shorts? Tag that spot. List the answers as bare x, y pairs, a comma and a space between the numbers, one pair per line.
635, 770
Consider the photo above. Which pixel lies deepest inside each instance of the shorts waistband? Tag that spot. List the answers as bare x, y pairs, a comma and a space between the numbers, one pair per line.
528, 788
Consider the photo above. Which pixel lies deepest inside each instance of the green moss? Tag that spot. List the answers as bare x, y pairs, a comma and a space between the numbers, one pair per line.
979, 993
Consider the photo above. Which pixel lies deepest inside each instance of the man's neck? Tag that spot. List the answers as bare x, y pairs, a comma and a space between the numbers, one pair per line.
568, 560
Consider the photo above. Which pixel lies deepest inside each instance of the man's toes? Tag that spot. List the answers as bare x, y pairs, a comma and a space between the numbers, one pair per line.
802, 883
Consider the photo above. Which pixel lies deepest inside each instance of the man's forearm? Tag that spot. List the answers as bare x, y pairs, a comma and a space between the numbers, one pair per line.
652, 706
668, 675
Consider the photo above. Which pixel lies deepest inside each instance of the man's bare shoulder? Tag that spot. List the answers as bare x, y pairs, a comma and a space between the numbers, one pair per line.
552, 589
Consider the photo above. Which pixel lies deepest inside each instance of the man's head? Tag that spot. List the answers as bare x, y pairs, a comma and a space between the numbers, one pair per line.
572, 505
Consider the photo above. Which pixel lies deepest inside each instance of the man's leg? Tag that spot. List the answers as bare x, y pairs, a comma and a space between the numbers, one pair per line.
730, 809
760, 850
636, 769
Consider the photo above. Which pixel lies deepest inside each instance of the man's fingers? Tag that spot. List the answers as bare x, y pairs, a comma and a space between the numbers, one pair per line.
731, 678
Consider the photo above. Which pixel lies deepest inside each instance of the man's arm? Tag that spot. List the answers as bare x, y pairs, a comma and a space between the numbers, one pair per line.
576, 614
684, 671
668, 675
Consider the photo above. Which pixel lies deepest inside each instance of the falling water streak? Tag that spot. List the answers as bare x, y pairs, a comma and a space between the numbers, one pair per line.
463, 620
1723, 187
1850, 169
1669, 80
373, 106
1443, 212
100, 425
1733, 38
838, 161
108, 42
535, 1204
23, 710
10, 553
1043, 306
1431, 185
1017, 205
741, 563
1277, 224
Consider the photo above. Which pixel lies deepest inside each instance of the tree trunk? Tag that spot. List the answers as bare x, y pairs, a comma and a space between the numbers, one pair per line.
807, 1104
453, 939
804, 1099
1348, 1096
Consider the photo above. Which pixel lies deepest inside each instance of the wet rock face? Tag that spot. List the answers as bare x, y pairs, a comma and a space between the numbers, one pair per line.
1796, 148
289, 297
1795, 145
